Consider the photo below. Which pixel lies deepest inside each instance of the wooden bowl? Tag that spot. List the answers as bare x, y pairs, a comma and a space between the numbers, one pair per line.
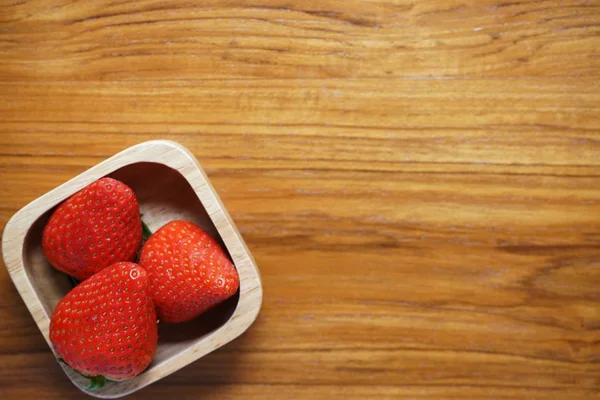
169, 184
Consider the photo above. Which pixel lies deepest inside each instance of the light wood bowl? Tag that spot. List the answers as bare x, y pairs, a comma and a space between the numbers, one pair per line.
169, 184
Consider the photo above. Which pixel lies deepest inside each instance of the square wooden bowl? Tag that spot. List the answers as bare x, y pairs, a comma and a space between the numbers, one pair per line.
169, 184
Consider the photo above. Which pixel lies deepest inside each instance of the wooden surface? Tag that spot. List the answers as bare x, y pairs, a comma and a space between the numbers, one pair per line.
419, 182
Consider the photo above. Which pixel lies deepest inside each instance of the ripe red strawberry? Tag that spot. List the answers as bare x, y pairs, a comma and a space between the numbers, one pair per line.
94, 228
189, 272
107, 324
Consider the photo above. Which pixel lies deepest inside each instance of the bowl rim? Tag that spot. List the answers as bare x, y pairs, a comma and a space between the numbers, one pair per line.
179, 158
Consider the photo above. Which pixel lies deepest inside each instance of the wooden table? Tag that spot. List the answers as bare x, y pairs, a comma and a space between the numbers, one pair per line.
419, 182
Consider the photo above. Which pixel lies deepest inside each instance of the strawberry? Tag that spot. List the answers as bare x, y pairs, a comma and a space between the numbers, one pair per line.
106, 326
94, 228
189, 272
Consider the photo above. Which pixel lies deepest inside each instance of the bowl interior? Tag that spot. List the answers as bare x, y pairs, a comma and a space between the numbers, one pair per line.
164, 195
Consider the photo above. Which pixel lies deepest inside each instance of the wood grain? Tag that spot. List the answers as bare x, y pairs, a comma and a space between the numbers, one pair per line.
417, 181
216, 39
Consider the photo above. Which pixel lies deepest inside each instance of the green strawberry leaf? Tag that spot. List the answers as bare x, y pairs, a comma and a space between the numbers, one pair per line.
74, 282
146, 232
96, 382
